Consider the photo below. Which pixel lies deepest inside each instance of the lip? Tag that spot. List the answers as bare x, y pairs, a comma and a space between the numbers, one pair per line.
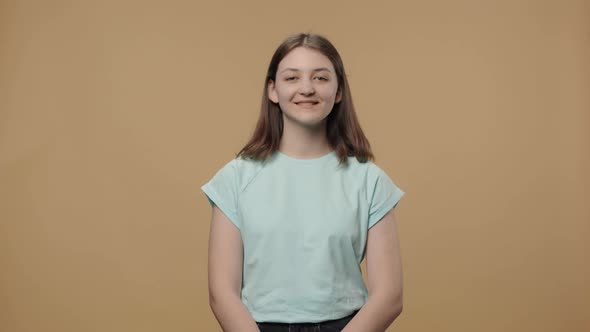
309, 104
312, 102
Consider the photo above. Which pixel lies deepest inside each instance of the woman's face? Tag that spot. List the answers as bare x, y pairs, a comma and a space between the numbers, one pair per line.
306, 87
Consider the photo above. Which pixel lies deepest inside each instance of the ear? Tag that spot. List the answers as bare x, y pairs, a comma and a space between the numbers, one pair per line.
338, 96
272, 93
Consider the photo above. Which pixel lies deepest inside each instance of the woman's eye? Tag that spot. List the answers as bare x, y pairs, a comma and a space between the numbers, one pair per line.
293, 78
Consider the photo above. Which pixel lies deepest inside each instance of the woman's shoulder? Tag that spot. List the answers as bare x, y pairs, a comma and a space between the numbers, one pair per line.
240, 170
370, 172
239, 163
367, 167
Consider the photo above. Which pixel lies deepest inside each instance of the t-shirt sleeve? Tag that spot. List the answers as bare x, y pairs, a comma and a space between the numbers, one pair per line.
384, 196
222, 190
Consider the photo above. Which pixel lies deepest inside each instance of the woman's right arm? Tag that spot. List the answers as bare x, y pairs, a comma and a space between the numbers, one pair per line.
225, 259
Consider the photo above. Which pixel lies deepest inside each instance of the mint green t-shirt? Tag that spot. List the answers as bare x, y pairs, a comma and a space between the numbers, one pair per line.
304, 225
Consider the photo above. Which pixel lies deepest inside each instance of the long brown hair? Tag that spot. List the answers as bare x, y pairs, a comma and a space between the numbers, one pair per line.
343, 130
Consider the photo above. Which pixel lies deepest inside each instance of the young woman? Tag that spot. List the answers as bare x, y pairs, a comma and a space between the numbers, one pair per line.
300, 206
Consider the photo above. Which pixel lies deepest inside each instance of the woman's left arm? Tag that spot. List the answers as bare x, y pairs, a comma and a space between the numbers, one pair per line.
385, 284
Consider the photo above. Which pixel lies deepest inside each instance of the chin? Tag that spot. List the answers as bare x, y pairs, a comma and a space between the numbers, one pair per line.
308, 121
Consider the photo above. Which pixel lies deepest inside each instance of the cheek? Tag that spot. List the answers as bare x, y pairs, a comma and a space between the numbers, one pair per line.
330, 93
285, 93
329, 89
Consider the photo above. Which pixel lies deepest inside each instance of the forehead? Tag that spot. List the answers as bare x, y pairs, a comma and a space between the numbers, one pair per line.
305, 59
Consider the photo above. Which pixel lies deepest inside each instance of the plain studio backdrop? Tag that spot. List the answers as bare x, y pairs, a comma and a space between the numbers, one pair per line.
114, 113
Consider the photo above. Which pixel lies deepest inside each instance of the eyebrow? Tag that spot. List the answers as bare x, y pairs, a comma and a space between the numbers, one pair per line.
315, 70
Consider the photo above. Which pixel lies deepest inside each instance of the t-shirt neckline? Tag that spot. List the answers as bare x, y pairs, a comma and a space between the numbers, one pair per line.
283, 156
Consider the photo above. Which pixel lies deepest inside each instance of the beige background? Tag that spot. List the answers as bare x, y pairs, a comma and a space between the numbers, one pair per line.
113, 114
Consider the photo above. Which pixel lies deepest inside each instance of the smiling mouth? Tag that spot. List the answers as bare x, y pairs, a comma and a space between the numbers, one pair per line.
307, 104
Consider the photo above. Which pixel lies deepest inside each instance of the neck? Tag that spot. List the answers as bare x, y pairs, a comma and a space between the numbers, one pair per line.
304, 142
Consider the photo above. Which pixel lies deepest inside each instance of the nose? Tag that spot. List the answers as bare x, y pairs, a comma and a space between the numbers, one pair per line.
307, 87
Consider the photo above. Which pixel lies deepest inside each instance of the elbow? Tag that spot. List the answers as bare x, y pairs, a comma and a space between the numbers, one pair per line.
214, 298
396, 304
220, 296
392, 302
397, 307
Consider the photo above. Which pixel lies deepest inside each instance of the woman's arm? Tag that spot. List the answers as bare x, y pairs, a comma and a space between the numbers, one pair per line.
384, 272
225, 259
